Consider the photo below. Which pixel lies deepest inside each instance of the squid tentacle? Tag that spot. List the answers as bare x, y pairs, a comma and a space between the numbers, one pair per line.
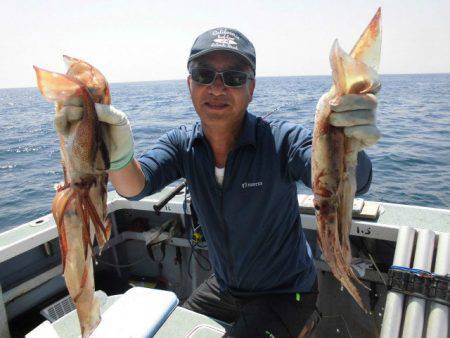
96, 220
83, 280
85, 230
59, 210
87, 244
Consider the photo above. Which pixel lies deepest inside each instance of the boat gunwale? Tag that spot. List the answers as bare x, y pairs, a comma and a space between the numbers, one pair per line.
46, 231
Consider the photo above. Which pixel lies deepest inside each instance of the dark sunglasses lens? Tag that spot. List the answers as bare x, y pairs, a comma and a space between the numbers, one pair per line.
203, 76
234, 78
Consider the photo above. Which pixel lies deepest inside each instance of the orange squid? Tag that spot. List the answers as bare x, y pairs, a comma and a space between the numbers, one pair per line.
334, 157
79, 207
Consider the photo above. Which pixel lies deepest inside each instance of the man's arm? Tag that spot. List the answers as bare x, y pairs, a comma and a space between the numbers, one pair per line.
131, 178
161, 165
299, 159
128, 181
355, 113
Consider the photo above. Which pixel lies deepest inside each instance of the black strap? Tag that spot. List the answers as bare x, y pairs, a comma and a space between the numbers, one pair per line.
421, 284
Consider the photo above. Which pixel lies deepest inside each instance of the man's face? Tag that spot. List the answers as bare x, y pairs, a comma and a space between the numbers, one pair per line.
217, 103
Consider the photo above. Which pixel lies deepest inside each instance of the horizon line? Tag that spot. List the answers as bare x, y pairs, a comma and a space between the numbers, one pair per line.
264, 76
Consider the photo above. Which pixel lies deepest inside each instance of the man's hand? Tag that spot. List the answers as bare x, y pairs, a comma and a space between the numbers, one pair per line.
120, 139
356, 113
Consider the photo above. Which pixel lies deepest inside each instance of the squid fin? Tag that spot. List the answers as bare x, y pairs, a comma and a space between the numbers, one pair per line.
356, 73
368, 47
57, 87
91, 77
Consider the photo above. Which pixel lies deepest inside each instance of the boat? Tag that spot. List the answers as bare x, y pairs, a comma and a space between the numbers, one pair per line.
157, 256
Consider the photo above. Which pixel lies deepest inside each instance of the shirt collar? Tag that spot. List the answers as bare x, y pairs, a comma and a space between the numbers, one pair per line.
247, 136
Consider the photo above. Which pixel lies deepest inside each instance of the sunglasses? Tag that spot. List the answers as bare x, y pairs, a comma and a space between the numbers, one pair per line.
230, 78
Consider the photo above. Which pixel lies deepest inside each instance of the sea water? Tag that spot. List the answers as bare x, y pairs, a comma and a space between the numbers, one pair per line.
411, 162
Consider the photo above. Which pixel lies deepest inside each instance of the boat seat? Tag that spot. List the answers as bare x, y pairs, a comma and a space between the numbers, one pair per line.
140, 312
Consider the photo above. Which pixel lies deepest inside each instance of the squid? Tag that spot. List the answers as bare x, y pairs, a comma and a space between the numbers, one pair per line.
79, 207
334, 157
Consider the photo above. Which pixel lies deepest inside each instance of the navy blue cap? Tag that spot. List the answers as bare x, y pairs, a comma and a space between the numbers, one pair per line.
226, 39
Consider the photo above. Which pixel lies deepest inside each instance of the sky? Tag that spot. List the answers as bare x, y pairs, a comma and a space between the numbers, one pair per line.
150, 40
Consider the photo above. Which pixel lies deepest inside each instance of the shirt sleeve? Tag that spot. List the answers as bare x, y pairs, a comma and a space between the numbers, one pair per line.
299, 143
299, 160
162, 164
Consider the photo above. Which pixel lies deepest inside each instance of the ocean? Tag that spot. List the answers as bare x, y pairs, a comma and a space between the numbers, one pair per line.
411, 163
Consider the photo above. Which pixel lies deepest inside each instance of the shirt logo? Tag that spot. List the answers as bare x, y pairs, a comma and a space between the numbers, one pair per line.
247, 185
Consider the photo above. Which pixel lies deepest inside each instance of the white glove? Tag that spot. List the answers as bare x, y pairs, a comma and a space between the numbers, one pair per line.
119, 136
356, 113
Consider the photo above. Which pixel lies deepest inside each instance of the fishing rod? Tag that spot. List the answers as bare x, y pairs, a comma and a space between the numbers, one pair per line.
167, 197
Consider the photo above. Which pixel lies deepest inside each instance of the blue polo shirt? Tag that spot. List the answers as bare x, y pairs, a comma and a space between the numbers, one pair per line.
252, 222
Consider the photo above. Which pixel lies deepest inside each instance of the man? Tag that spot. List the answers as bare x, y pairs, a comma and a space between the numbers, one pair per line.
241, 172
